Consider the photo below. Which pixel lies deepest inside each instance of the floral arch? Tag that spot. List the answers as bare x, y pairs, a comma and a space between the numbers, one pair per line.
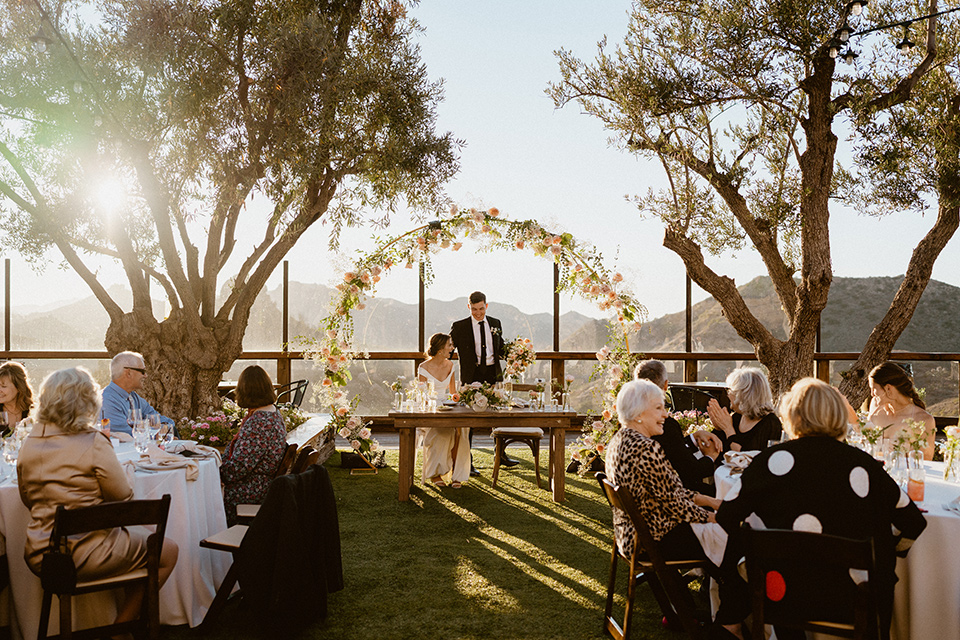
581, 271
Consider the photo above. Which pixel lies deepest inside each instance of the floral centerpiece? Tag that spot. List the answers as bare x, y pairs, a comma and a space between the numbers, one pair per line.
518, 356
614, 369
950, 448
872, 433
480, 397
219, 429
216, 430
692, 421
913, 437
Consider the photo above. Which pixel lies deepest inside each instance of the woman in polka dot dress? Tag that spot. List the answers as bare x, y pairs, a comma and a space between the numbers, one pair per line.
815, 482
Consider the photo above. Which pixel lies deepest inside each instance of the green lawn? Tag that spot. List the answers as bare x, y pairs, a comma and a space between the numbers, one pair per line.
478, 562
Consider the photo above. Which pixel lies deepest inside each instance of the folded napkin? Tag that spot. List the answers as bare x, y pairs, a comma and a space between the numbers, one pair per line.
738, 460
199, 450
156, 459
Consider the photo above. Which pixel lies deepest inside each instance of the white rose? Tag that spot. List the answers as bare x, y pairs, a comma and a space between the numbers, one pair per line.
355, 444
365, 433
344, 433
480, 403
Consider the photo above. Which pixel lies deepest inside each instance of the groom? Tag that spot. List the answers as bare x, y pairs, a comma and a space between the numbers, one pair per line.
479, 343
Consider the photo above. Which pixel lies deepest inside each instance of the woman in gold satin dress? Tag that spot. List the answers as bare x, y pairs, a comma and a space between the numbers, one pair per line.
66, 461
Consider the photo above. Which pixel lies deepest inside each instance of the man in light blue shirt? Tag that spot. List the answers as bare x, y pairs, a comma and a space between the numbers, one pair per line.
127, 371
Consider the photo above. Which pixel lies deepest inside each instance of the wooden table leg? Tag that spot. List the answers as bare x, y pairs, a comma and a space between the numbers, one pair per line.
558, 441
408, 454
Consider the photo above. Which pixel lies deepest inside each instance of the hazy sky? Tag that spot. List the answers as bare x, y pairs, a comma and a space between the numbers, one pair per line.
532, 161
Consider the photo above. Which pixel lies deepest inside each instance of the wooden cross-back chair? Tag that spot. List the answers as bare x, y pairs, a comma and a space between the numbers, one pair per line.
766, 552
58, 579
647, 565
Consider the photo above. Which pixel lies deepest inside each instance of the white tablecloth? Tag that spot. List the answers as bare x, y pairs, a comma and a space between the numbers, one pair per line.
196, 511
927, 598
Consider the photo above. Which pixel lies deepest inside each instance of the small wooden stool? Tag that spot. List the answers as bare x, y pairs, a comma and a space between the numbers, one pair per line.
503, 436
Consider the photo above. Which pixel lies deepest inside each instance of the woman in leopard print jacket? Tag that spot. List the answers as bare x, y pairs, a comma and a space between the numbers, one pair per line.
677, 517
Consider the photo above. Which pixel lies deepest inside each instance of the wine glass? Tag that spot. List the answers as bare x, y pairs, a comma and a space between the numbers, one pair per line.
4, 421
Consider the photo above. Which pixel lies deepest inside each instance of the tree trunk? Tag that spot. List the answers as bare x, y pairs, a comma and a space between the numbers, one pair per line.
184, 366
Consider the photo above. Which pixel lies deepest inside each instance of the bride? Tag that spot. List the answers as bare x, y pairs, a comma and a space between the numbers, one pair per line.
446, 454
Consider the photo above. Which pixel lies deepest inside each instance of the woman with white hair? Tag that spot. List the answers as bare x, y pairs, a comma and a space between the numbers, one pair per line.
676, 516
816, 482
753, 424
66, 461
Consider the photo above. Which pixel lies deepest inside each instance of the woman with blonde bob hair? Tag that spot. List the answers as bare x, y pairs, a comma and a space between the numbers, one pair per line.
66, 461
753, 424
817, 483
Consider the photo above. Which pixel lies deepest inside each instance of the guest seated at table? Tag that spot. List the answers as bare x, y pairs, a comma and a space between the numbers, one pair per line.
16, 395
446, 452
753, 423
680, 449
894, 400
815, 482
127, 371
676, 516
254, 454
66, 461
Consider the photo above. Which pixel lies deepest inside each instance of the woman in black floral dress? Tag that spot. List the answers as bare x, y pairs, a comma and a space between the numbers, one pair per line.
252, 457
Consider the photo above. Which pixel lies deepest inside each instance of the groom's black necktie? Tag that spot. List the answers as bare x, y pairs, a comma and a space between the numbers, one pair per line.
483, 345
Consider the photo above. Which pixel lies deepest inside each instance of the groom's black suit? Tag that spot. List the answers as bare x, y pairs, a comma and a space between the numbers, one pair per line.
462, 335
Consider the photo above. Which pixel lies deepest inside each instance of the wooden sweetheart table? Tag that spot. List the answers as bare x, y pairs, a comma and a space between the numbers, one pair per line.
554, 423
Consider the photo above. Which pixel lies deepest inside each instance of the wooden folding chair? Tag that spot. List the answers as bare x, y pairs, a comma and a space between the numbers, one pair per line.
305, 457
247, 512
768, 550
60, 581
647, 565
503, 436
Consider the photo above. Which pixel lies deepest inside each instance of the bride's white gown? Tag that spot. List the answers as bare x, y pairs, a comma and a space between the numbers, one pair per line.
438, 443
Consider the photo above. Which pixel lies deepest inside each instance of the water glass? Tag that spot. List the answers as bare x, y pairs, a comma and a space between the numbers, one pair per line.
11, 449
141, 437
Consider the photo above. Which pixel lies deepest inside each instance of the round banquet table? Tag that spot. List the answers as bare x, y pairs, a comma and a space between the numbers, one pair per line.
196, 511
927, 597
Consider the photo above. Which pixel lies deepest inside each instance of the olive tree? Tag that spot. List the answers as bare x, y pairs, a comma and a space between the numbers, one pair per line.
738, 101
322, 109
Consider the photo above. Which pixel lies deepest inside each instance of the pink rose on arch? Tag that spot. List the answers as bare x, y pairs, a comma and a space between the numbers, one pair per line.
457, 245
375, 270
361, 307
344, 433
519, 244
353, 422
387, 263
348, 276
606, 414
598, 426
485, 228
331, 334
617, 277
326, 382
355, 444
365, 433
354, 289
616, 371
445, 244
453, 209
365, 278
342, 411
600, 447
493, 211
556, 240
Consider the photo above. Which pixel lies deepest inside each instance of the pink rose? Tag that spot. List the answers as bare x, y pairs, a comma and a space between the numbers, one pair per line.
600, 447
214, 438
519, 244
344, 433
485, 228
617, 277
355, 444
342, 411
606, 414
348, 276
453, 210
457, 245
331, 334
493, 211
327, 382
